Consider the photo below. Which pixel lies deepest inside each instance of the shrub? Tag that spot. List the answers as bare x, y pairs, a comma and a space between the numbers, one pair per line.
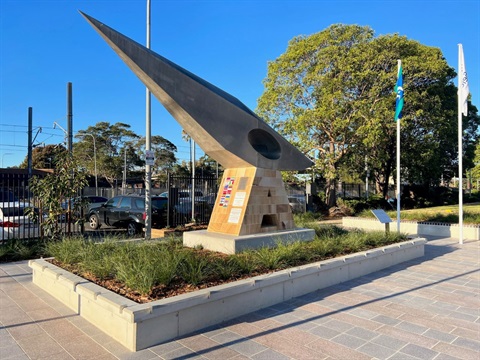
144, 266
98, 259
193, 268
226, 268
306, 219
67, 250
14, 249
137, 266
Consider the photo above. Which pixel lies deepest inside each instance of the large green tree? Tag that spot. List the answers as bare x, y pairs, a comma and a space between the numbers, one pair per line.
331, 94
45, 157
308, 96
476, 163
164, 151
113, 142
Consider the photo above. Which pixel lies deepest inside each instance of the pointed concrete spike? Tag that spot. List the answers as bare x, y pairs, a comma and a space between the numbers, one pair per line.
220, 124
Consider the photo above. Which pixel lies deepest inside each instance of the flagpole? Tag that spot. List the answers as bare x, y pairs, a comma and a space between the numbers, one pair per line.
460, 145
398, 163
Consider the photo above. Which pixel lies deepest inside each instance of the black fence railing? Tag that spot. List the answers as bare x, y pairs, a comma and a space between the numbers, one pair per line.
15, 199
187, 206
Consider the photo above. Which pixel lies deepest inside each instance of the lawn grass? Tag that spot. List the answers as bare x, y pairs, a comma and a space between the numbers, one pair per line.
446, 214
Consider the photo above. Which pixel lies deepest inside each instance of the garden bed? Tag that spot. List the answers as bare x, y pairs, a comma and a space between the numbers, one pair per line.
138, 326
418, 228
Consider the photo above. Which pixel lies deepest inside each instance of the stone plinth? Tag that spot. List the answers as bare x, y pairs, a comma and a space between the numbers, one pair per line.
234, 244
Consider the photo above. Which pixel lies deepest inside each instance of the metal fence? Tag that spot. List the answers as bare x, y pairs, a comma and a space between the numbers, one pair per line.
184, 205
15, 198
187, 206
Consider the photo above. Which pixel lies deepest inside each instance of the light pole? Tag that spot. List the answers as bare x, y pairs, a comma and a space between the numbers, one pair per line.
4, 156
55, 124
94, 160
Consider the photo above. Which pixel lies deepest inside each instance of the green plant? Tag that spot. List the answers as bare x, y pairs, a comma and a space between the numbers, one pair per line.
136, 267
329, 231
143, 266
293, 254
15, 249
98, 259
193, 268
244, 262
226, 268
64, 183
67, 250
268, 258
168, 262
306, 219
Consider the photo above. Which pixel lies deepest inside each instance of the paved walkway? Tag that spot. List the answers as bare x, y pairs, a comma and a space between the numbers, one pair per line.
428, 308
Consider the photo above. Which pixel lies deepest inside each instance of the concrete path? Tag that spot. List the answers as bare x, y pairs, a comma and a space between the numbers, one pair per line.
428, 308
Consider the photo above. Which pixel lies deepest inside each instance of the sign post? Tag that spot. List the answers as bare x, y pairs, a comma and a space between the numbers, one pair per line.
383, 217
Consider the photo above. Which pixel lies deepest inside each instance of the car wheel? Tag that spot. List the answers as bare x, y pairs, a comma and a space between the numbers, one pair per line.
93, 222
132, 229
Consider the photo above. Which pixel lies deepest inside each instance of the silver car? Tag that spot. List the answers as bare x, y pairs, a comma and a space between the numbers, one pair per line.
14, 223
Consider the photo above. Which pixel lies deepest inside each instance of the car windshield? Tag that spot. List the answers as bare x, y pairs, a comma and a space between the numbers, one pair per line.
13, 211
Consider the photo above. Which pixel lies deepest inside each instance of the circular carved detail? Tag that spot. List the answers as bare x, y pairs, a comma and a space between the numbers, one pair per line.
265, 144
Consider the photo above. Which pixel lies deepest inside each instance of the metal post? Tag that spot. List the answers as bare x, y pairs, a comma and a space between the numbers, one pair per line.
148, 131
193, 180
124, 182
366, 178
398, 168
30, 126
69, 117
69, 143
460, 163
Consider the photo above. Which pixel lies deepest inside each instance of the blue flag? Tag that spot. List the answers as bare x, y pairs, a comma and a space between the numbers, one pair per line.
399, 91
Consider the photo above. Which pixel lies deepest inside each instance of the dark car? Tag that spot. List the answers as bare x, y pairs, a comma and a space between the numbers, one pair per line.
88, 202
128, 212
182, 212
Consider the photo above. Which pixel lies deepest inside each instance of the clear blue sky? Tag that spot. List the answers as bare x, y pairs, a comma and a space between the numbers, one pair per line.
46, 44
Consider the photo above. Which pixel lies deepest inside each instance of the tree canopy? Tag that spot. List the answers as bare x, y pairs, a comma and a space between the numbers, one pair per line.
331, 94
45, 157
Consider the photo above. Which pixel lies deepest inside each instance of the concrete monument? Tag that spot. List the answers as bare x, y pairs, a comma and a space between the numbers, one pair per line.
252, 207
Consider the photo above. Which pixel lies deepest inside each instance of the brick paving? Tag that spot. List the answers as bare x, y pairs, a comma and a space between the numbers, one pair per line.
427, 308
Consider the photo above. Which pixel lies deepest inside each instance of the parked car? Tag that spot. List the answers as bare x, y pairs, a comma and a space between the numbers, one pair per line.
14, 223
297, 203
186, 194
88, 201
7, 196
182, 211
128, 211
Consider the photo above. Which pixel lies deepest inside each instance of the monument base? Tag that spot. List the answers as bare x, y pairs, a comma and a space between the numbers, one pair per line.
234, 244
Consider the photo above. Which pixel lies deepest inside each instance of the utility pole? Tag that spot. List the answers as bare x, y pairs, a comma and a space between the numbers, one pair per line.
69, 118
30, 129
124, 182
69, 142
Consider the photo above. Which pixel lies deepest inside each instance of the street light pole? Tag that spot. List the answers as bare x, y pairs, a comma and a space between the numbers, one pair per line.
148, 131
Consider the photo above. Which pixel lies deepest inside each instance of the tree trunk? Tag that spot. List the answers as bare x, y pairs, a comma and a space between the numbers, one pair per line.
330, 195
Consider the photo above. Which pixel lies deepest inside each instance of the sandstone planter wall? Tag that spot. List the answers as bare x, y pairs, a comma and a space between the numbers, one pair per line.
138, 326
471, 232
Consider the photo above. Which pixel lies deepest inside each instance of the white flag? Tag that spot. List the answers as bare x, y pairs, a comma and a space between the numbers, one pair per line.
463, 89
